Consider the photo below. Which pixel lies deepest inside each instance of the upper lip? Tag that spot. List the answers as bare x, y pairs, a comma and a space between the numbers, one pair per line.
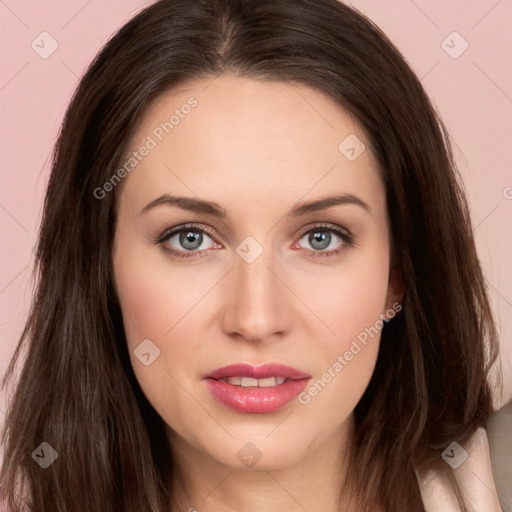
257, 372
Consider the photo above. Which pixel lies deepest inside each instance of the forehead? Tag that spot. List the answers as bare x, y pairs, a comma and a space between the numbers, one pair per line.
228, 137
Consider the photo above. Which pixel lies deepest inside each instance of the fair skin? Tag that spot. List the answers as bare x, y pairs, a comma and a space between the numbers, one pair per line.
256, 149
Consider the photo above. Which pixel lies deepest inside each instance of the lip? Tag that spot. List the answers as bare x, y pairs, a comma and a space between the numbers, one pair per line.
257, 372
256, 400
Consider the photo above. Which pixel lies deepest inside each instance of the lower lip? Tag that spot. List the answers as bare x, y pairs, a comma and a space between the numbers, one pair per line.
256, 400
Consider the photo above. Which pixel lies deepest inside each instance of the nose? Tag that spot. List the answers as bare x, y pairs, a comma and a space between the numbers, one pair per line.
258, 306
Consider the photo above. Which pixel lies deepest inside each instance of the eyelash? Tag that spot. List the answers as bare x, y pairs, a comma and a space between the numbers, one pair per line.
347, 238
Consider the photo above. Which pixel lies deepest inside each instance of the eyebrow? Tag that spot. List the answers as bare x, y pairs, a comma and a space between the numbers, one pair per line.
214, 209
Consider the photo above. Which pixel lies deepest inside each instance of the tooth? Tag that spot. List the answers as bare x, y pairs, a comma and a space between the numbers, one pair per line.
248, 381
266, 383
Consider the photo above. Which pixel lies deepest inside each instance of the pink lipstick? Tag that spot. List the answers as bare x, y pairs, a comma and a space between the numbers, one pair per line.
256, 389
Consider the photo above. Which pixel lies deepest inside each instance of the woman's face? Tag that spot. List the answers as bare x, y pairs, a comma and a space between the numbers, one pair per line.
258, 278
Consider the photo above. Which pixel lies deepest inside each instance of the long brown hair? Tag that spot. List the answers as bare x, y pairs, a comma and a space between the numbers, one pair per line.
76, 388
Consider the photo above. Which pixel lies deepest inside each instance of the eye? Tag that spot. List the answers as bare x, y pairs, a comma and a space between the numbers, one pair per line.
323, 236
187, 241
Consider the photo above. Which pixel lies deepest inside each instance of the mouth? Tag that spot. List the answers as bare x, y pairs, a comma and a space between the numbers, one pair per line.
256, 389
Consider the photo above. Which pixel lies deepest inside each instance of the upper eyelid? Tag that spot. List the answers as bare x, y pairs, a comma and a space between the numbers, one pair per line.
192, 226
325, 225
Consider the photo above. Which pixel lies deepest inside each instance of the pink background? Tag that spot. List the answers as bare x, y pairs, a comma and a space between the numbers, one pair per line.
473, 94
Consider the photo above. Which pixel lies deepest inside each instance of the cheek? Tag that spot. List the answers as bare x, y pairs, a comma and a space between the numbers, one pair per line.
350, 301
145, 302
152, 306
351, 297
153, 298
166, 305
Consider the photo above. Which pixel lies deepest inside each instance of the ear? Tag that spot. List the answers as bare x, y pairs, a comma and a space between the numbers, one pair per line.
396, 291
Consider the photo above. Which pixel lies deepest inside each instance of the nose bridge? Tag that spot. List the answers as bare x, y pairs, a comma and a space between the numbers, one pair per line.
257, 306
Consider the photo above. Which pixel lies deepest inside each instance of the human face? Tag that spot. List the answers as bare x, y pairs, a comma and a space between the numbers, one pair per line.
256, 149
